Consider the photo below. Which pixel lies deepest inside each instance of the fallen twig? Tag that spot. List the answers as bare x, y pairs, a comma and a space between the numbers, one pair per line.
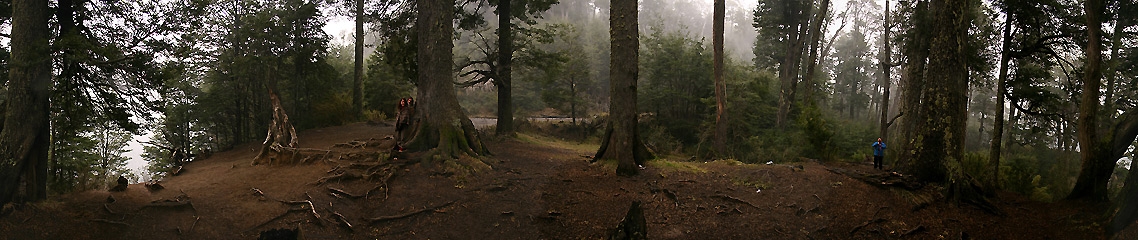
725, 197
914, 230
111, 222
194, 224
404, 215
108, 208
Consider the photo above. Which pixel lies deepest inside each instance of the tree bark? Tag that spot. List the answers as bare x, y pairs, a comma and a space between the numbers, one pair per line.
815, 39
358, 70
1126, 206
886, 79
913, 79
280, 136
720, 87
1096, 168
440, 123
622, 139
26, 118
944, 104
997, 141
791, 62
505, 125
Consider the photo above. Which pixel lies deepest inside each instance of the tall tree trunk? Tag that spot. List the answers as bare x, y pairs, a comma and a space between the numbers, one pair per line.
1126, 206
622, 139
358, 70
720, 87
505, 124
944, 104
913, 79
790, 65
997, 141
26, 118
439, 121
815, 40
886, 79
1096, 170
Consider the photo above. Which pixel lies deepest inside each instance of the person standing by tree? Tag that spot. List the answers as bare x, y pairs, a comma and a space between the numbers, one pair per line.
878, 153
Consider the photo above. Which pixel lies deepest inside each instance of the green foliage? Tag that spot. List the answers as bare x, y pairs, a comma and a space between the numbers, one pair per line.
384, 86
819, 132
774, 20
1018, 173
676, 71
658, 138
91, 159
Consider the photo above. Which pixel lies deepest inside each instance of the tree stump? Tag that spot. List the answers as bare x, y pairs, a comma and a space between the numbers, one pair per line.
633, 226
122, 184
280, 138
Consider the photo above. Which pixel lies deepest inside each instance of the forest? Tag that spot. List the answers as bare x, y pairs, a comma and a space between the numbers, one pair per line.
977, 100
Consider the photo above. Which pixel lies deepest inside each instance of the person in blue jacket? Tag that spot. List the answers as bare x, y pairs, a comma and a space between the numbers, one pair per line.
878, 153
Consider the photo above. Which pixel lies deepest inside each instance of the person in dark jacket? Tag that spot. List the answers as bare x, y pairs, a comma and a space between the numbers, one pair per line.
878, 153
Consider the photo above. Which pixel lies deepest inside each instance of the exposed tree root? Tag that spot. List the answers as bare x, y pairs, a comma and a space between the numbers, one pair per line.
341, 177
335, 192
408, 214
342, 220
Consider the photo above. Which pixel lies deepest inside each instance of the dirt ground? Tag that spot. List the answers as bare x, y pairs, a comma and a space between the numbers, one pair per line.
539, 188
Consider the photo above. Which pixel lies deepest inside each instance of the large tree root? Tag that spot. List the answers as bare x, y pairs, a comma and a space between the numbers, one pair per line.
408, 214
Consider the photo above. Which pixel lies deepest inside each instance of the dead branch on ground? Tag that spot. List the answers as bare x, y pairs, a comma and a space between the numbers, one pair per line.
913, 231
408, 214
108, 208
730, 198
194, 224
